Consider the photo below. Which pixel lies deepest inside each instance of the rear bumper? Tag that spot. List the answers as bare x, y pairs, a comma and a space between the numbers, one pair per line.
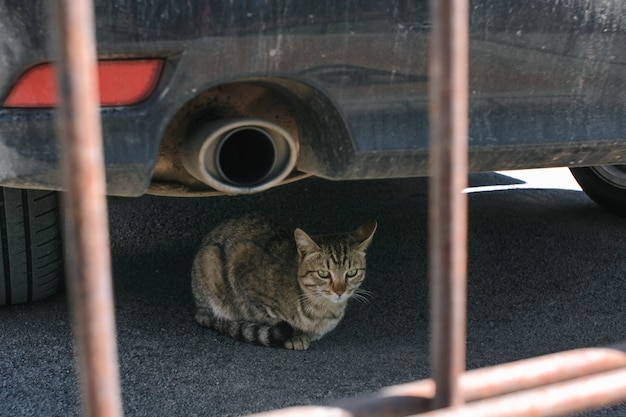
30, 156
544, 92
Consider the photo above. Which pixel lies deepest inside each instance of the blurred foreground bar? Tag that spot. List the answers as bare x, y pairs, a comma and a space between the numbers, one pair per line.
89, 269
553, 385
448, 78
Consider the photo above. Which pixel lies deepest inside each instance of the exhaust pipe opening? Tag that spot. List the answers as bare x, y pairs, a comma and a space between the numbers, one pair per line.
240, 155
246, 156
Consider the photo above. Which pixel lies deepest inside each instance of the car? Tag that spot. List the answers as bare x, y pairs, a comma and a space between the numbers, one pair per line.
207, 97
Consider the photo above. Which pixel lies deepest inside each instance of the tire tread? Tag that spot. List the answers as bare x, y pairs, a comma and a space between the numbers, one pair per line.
31, 248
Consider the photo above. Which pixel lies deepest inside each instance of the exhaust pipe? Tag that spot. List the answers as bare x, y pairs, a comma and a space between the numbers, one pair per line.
240, 155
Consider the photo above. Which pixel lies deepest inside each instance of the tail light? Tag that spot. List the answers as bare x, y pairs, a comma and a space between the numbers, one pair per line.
122, 82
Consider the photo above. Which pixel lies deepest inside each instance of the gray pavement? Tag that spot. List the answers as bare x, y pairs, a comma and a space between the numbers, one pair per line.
547, 272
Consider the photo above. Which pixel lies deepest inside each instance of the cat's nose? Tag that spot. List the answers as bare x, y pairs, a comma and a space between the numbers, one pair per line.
339, 288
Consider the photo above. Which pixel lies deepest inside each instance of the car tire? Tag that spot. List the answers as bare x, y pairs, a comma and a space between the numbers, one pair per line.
30, 245
604, 184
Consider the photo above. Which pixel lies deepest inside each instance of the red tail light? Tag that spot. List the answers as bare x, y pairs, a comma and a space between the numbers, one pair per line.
122, 82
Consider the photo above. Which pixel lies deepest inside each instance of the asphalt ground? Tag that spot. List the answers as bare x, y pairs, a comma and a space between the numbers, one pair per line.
547, 272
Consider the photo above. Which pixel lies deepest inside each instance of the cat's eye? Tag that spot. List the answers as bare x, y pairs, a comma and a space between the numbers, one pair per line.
352, 273
323, 274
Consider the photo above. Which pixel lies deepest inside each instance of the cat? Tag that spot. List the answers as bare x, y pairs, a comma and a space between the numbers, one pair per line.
258, 283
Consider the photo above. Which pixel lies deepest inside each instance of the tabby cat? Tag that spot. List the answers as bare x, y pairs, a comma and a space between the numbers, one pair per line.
257, 283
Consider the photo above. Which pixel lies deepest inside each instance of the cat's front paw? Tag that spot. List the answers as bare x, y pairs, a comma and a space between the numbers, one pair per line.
299, 342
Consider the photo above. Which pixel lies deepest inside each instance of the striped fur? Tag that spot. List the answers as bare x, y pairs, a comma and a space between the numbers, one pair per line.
246, 331
257, 283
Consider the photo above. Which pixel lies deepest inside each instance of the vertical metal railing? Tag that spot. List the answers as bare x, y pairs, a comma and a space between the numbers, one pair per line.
89, 270
551, 385
448, 113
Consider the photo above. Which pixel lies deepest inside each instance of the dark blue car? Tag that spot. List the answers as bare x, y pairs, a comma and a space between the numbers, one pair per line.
201, 97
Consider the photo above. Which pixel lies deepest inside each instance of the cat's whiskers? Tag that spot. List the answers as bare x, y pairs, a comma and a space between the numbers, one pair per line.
365, 292
362, 296
310, 302
311, 298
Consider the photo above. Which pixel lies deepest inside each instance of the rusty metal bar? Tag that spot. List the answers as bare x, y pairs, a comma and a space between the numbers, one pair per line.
522, 375
558, 383
558, 399
89, 270
448, 115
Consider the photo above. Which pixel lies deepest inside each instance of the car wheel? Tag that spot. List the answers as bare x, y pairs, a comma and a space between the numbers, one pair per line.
30, 245
605, 184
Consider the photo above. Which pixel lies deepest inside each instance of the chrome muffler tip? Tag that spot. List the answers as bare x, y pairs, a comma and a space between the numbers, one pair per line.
240, 155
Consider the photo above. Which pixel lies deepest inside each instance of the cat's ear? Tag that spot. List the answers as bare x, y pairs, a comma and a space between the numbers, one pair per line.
364, 234
304, 243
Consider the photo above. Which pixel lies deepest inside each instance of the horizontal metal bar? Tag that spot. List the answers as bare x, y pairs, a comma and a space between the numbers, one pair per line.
561, 375
560, 399
524, 374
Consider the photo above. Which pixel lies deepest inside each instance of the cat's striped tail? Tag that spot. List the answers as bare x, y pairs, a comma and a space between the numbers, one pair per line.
250, 332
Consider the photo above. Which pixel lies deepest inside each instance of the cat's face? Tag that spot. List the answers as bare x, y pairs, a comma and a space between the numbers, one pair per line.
332, 268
